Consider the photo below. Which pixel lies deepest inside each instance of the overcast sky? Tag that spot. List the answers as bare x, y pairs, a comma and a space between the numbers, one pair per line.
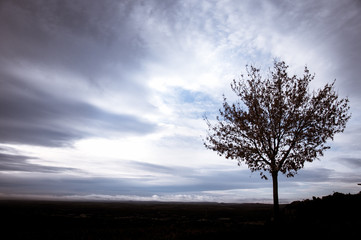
105, 99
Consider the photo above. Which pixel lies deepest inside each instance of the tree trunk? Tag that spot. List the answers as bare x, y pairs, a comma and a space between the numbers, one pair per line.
276, 207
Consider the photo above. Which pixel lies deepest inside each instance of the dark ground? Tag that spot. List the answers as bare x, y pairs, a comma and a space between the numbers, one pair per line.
339, 215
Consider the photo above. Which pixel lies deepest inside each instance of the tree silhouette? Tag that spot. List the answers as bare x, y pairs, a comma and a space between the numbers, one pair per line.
278, 124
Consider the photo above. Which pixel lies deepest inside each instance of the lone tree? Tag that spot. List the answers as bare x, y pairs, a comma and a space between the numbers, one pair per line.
278, 124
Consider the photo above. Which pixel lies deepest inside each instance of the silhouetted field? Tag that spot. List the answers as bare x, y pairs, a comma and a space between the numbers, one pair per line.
156, 220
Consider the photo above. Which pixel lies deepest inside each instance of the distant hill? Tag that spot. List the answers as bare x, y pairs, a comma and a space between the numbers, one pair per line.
334, 214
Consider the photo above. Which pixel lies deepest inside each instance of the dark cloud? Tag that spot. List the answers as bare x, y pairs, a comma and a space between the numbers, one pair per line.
30, 116
245, 179
226, 180
330, 32
64, 186
194, 182
352, 162
140, 186
96, 42
20, 163
15, 162
90, 38
214, 180
310, 175
150, 167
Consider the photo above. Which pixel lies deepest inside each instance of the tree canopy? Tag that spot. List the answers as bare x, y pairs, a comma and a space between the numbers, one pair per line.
278, 124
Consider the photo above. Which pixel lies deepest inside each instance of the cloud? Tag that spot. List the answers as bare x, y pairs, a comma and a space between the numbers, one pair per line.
320, 34
15, 162
140, 186
145, 72
89, 38
150, 167
20, 163
68, 71
311, 175
352, 162
56, 186
30, 116
165, 183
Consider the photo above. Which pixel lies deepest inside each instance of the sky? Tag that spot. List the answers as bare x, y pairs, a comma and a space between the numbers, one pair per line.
104, 100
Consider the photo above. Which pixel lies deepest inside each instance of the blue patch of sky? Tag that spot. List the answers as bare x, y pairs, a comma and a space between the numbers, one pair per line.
188, 96
202, 102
